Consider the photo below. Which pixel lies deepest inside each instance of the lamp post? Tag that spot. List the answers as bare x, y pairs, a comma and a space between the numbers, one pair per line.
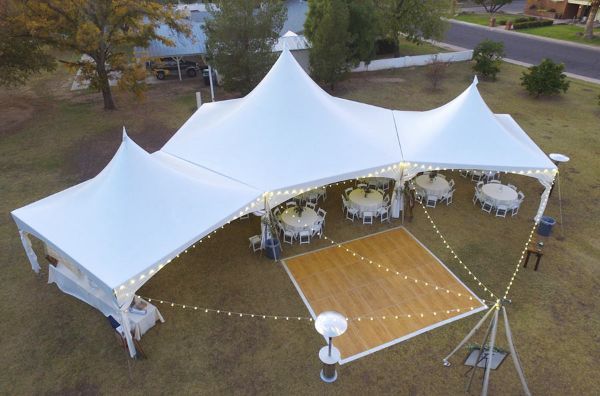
330, 324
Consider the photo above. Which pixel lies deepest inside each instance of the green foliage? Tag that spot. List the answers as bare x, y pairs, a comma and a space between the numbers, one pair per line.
103, 30
533, 24
20, 55
240, 37
547, 78
492, 6
413, 19
326, 27
488, 58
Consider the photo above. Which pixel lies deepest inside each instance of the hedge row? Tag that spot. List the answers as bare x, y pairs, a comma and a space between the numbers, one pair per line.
532, 24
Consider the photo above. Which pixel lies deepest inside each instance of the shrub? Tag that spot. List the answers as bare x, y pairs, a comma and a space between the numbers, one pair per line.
532, 24
547, 78
488, 56
524, 19
436, 71
502, 22
385, 46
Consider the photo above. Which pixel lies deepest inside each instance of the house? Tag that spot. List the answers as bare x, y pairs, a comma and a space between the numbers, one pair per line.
559, 9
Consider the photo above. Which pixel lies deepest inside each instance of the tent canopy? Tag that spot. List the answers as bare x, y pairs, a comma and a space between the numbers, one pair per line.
122, 226
465, 134
288, 133
291, 41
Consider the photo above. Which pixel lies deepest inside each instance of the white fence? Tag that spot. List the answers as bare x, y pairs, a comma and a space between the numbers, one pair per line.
408, 61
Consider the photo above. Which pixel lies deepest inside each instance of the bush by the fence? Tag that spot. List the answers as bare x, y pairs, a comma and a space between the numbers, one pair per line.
524, 19
385, 46
532, 24
502, 22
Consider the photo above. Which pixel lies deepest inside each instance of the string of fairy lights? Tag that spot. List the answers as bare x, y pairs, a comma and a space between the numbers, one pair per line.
401, 275
236, 314
455, 255
254, 206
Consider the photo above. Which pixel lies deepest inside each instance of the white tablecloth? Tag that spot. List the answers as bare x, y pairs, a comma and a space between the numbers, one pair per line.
140, 324
369, 203
296, 223
499, 194
438, 187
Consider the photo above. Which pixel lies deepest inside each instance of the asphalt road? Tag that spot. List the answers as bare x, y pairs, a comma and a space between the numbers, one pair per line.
577, 60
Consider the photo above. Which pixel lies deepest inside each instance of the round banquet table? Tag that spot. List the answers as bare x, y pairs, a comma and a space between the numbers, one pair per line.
369, 203
499, 194
297, 223
438, 187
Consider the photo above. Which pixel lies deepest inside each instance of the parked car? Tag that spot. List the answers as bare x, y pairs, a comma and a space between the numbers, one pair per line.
165, 66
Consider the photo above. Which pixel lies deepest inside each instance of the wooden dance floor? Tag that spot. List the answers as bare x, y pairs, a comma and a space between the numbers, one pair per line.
391, 307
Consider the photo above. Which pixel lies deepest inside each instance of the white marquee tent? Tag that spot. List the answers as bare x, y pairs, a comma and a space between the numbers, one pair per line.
230, 158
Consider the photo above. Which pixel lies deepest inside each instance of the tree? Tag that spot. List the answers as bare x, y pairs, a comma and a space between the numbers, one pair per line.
240, 37
104, 30
488, 57
492, 6
547, 78
589, 25
20, 55
363, 26
327, 29
413, 19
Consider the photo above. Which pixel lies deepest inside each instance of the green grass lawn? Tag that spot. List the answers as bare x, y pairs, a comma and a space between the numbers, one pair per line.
54, 344
563, 32
560, 32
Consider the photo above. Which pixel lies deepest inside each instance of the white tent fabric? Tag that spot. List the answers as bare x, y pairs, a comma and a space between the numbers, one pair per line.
288, 135
125, 224
291, 41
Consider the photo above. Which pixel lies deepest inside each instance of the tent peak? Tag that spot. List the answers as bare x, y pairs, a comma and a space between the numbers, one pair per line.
475, 80
289, 33
125, 137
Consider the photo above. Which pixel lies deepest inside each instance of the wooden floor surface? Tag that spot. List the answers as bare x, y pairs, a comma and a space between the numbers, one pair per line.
334, 279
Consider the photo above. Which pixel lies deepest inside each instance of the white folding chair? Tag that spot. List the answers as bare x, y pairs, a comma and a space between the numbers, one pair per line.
441, 175
520, 196
255, 242
277, 212
386, 184
348, 191
479, 185
311, 205
367, 217
431, 201
448, 197
321, 213
361, 185
501, 210
487, 206
351, 213
381, 191
386, 200
476, 176
476, 196
384, 214
290, 204
289, 236
451, 184
514, 209
317, 229
463, 173
304, 236
494, 182
512, 186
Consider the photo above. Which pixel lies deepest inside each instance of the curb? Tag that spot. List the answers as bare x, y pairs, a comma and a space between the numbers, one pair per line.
530, 36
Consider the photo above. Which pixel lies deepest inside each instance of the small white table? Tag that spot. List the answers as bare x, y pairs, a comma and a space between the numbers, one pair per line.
365, 202
297, 223
140, 324
438, 187
499, 194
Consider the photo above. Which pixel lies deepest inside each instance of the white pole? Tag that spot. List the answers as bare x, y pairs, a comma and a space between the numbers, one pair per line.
178, 68
212, 89
490, 356
198, 99
29, 251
